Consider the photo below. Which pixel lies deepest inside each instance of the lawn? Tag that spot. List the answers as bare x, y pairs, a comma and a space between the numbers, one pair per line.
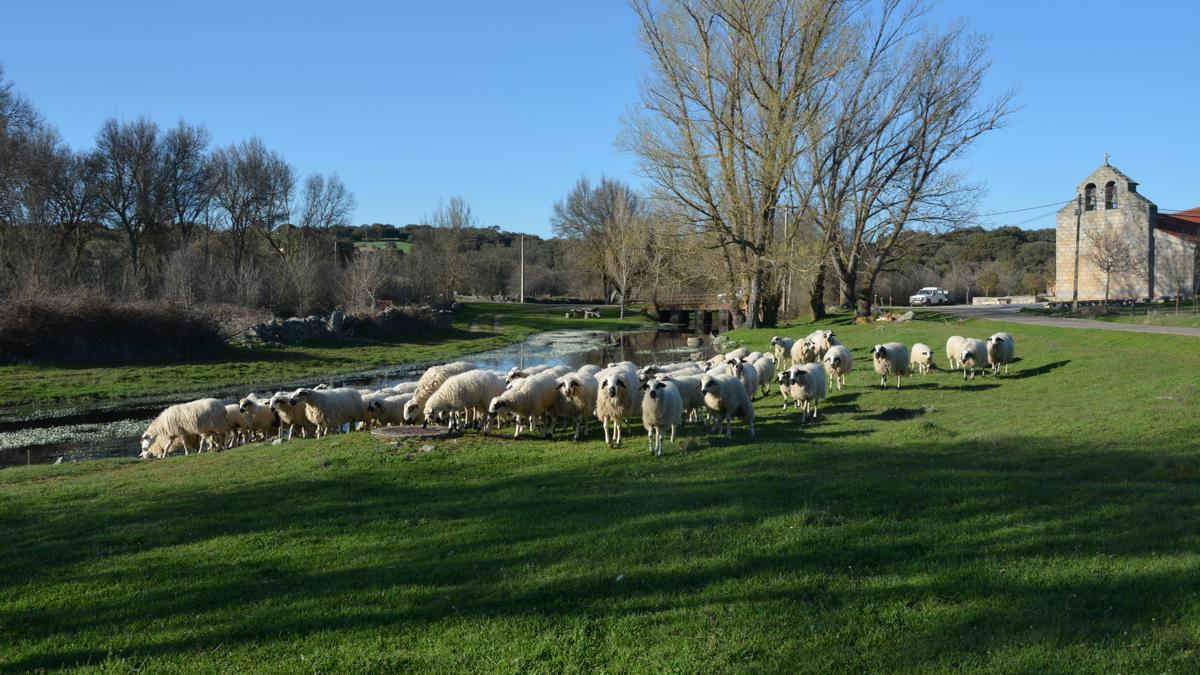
1047, 520
1144, 314
475, 327
402, 246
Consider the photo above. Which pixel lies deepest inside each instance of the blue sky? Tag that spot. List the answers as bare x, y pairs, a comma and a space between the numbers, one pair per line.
508, 103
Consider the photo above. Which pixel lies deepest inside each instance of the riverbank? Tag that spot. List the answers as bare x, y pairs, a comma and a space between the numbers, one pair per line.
29, 389
1041, 521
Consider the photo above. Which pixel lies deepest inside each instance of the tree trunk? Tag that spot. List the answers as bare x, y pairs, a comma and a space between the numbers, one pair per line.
771, 301
816, 296
847, 287
752, 300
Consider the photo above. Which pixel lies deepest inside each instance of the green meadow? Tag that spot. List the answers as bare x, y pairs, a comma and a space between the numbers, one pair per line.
1047, 520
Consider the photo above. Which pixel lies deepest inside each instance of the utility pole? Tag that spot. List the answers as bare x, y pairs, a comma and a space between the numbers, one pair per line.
522, 269
1075, 287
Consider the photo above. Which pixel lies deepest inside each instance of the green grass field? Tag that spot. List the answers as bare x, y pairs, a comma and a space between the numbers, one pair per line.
1044, 521
1143, 314
476, 327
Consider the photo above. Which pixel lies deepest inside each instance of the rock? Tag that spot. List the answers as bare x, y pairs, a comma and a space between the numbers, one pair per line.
428, 447
695, 341
861, 320
907, 316
337, 321
277, 441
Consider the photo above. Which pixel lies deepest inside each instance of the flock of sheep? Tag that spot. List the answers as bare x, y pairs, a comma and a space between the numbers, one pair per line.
461, 396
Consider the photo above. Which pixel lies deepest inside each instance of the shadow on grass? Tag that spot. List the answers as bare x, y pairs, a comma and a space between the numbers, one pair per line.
349, 545
1034, 372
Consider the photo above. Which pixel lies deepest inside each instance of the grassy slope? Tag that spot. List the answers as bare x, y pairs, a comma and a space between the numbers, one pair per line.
474, 329
1048, 520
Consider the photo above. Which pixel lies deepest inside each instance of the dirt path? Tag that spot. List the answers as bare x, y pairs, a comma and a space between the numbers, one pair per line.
1011, 313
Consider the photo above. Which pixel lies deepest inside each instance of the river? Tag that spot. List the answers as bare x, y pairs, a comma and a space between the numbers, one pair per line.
115, 433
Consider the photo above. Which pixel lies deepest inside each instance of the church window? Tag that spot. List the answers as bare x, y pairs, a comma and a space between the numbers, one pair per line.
1089, 197
1110, 195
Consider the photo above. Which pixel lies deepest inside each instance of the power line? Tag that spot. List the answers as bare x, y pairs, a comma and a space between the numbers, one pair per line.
1028, 208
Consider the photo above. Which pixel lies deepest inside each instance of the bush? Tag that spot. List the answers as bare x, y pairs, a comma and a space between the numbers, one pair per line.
79, 326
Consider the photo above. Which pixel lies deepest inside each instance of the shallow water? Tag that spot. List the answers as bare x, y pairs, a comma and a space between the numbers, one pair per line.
115, 433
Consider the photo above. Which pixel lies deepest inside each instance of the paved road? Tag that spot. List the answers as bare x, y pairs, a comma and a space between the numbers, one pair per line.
1011, 313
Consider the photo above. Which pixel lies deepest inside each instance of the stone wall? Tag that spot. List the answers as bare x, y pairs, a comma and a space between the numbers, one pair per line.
1174, 265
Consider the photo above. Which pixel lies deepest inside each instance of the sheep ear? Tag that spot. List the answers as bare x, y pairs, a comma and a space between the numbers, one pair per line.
645, 386
621, 383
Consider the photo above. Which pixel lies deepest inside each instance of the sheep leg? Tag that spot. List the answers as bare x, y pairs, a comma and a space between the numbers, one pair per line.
617, 433
672, 433
750, 423
658, 440
898, 377
650, 439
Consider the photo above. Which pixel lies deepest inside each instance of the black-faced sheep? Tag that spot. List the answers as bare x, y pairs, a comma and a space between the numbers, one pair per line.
890, 360
809, 385
662, 407
972, 354
616, 399
577, 400
838, 363
1000, 351
725, 397
530, 400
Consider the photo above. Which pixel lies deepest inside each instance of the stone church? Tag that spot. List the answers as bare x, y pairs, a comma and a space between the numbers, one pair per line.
1164, 246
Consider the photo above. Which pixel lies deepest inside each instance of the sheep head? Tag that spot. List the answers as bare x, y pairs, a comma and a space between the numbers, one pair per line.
879, 352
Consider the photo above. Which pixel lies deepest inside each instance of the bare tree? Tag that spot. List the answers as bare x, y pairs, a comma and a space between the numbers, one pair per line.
252, 186
186, 168
130, 176
626, 248
584, 216
1112, 254
731, 88
326, 202
362, 279
443, 245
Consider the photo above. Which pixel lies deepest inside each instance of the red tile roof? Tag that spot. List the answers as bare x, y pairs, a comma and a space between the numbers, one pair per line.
1182, 224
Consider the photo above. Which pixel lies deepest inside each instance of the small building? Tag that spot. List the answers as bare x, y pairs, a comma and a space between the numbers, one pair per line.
1163, 246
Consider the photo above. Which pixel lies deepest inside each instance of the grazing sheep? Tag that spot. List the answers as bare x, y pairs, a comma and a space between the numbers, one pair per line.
616, 399
464, 398
972, 354
291, 415
765, 365
577, 400
330, 408
1000, 351
368, 416
838, 363
535, 397
954, 345
890, 360
748, 374
261, 418
403, 388
804, 351
725, 396
783, 348
822, 340
202, 421
239, 427
516, 373
662, 406
429, 383
389, 411
922, 357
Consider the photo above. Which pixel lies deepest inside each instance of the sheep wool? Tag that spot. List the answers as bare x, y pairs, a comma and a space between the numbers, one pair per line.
1000, 351
202, 421
922, 357
430, 380
809, 386
577, 400
725, 396
890, 360
662, 407
616, 399
328, 409
765, 365
533, 399
954, 345
804, 351
465, 397
973, 354
783, 348
838, 363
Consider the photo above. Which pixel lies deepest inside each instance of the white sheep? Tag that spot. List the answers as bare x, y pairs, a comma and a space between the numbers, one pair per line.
972, 354
330, 408
809, 387
1000, 351
291, 415
261, 418
239, 427
689, 392
954, 345
202, 421
838, 363
737, 354
785, 386
389, 411
403, 388
783, 348
534, 398
891, 360
516, 373
662, 406
765, 365
464, 398
922, 357
804, 351
822, 340
577, 400
616, 399
725, 396
589, 369
430, 380
748, 374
